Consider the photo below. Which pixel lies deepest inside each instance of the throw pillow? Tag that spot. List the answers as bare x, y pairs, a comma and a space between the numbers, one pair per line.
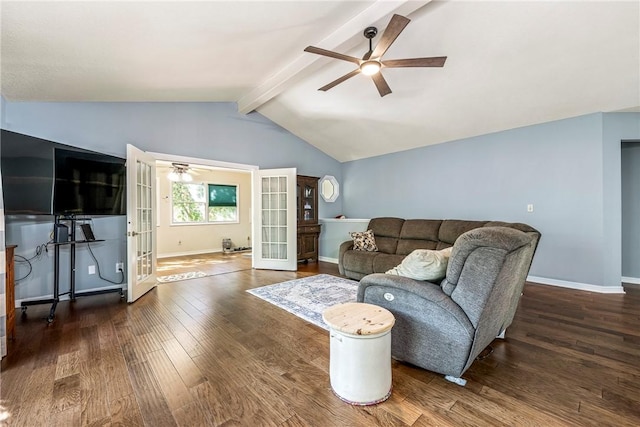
364, 241
423, 264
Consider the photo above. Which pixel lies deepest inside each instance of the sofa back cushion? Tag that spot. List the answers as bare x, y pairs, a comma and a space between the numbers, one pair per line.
386, 231
451, 229
418, 234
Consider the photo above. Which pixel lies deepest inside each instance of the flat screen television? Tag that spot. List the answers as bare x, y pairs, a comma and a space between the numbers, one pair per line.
41, 177
88, 183
27, 174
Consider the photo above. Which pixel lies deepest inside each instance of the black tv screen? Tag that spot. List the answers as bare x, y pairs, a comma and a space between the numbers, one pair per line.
88, 183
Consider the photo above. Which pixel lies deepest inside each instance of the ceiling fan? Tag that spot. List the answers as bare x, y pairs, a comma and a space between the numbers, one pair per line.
181, 172
372, 63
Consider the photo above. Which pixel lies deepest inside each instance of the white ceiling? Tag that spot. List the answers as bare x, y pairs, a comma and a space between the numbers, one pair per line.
510, 63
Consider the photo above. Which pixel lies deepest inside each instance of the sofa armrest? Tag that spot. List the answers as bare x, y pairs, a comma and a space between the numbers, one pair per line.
344, 247
430, 331
412, 289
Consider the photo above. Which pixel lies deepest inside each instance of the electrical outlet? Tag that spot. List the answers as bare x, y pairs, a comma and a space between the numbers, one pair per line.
119, 267
92, 269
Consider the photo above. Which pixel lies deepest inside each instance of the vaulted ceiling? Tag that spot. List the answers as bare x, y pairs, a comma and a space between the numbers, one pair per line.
510, 63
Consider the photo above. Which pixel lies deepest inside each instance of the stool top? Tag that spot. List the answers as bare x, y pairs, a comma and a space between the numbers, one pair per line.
357, 318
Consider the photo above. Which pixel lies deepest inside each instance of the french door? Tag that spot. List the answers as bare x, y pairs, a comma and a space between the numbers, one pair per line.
141, 223
274, 219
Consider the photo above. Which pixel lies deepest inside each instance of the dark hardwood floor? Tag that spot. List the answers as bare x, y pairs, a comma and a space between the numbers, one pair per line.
205, 352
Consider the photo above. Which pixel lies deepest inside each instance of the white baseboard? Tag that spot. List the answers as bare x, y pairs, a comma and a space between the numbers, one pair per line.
632, 280
67, 297
196, 252
556, 282
576, 285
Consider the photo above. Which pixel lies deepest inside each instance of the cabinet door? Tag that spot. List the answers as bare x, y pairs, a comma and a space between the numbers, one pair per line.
309, 243
307, 200
309, 205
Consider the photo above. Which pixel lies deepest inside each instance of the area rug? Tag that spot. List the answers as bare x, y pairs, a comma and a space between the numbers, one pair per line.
181, 276
308, 297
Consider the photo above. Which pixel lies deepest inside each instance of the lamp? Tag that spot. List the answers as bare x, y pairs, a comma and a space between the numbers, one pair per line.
370, 68
180, 173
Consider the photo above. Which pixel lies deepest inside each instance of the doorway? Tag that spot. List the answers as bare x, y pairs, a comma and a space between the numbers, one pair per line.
194, 239
630, 169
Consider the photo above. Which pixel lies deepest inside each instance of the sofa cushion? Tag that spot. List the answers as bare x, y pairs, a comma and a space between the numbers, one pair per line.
418, 234
384, 262
387, 232
364, 241
451, 229
359, 261
423, 264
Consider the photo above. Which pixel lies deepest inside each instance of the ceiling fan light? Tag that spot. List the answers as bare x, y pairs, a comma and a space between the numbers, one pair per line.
186, 177
369, 68
173, 176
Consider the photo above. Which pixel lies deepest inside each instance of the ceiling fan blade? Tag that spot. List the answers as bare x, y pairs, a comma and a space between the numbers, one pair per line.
331, 54
393, 30
381, 84
436, 61
340, 80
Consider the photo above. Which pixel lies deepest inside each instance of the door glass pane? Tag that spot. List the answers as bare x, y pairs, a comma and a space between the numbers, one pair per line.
273, 217
144, 226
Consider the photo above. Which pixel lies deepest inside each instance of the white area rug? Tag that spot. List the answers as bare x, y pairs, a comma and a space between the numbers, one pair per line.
308, 297
181, 276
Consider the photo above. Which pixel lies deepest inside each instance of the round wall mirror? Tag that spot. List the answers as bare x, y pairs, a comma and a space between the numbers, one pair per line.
329, 188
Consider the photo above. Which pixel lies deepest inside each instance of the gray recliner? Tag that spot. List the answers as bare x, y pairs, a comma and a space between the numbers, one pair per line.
443, 328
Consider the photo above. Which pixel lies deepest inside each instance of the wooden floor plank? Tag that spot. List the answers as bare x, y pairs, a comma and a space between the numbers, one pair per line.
151, 400
174, 389
66, 393
125, 412
94, 401
191, 415
184, 365
34, 406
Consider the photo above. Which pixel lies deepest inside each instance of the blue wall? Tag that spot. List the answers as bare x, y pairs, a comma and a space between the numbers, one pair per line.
570, 170
559, 167
213, 131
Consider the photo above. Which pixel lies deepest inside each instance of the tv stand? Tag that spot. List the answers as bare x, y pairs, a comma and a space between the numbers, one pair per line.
71, 220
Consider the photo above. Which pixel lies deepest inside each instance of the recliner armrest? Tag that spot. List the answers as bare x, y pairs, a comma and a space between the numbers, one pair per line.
443, 310
423, 289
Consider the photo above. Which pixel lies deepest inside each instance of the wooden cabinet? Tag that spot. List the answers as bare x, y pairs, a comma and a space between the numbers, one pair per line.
10, 291
307, 212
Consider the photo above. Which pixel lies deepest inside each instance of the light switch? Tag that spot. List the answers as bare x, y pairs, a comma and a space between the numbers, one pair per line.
530, 207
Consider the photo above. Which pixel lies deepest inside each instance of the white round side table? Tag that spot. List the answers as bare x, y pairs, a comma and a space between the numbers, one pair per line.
360, 352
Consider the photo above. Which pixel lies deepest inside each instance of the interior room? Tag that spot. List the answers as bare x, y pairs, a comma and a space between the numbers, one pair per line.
316, 213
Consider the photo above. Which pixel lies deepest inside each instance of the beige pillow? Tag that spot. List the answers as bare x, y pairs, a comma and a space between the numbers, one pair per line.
364, 241
423, 264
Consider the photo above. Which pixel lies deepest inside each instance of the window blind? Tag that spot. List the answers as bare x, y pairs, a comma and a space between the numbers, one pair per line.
222, 195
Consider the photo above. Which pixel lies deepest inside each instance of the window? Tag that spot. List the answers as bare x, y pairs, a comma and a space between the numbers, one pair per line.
188, 202
223, 206
203, 203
